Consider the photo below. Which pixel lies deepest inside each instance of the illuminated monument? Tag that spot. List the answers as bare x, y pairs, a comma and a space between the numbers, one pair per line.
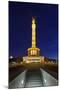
33, 52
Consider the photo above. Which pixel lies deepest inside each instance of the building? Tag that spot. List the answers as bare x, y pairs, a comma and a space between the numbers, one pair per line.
33, 52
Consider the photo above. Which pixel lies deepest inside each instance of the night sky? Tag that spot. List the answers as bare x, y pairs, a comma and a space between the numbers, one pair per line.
20, 19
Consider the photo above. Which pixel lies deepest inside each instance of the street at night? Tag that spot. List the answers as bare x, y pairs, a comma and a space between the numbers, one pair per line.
33, 75
33, 45
33, 78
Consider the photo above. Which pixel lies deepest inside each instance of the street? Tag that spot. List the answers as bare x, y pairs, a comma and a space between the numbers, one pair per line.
33, 78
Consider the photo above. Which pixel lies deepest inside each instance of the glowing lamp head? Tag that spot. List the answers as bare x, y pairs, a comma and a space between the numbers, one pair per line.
11, 57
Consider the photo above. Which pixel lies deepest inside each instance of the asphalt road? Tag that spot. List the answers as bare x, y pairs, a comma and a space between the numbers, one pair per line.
33, 78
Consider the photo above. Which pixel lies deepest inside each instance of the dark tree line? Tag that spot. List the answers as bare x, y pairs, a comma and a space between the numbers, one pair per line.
17, 59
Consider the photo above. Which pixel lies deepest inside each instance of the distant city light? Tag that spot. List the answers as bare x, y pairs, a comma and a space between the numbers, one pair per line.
11, 57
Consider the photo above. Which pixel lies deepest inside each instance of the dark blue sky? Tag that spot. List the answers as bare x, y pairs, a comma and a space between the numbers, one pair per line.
20, 17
